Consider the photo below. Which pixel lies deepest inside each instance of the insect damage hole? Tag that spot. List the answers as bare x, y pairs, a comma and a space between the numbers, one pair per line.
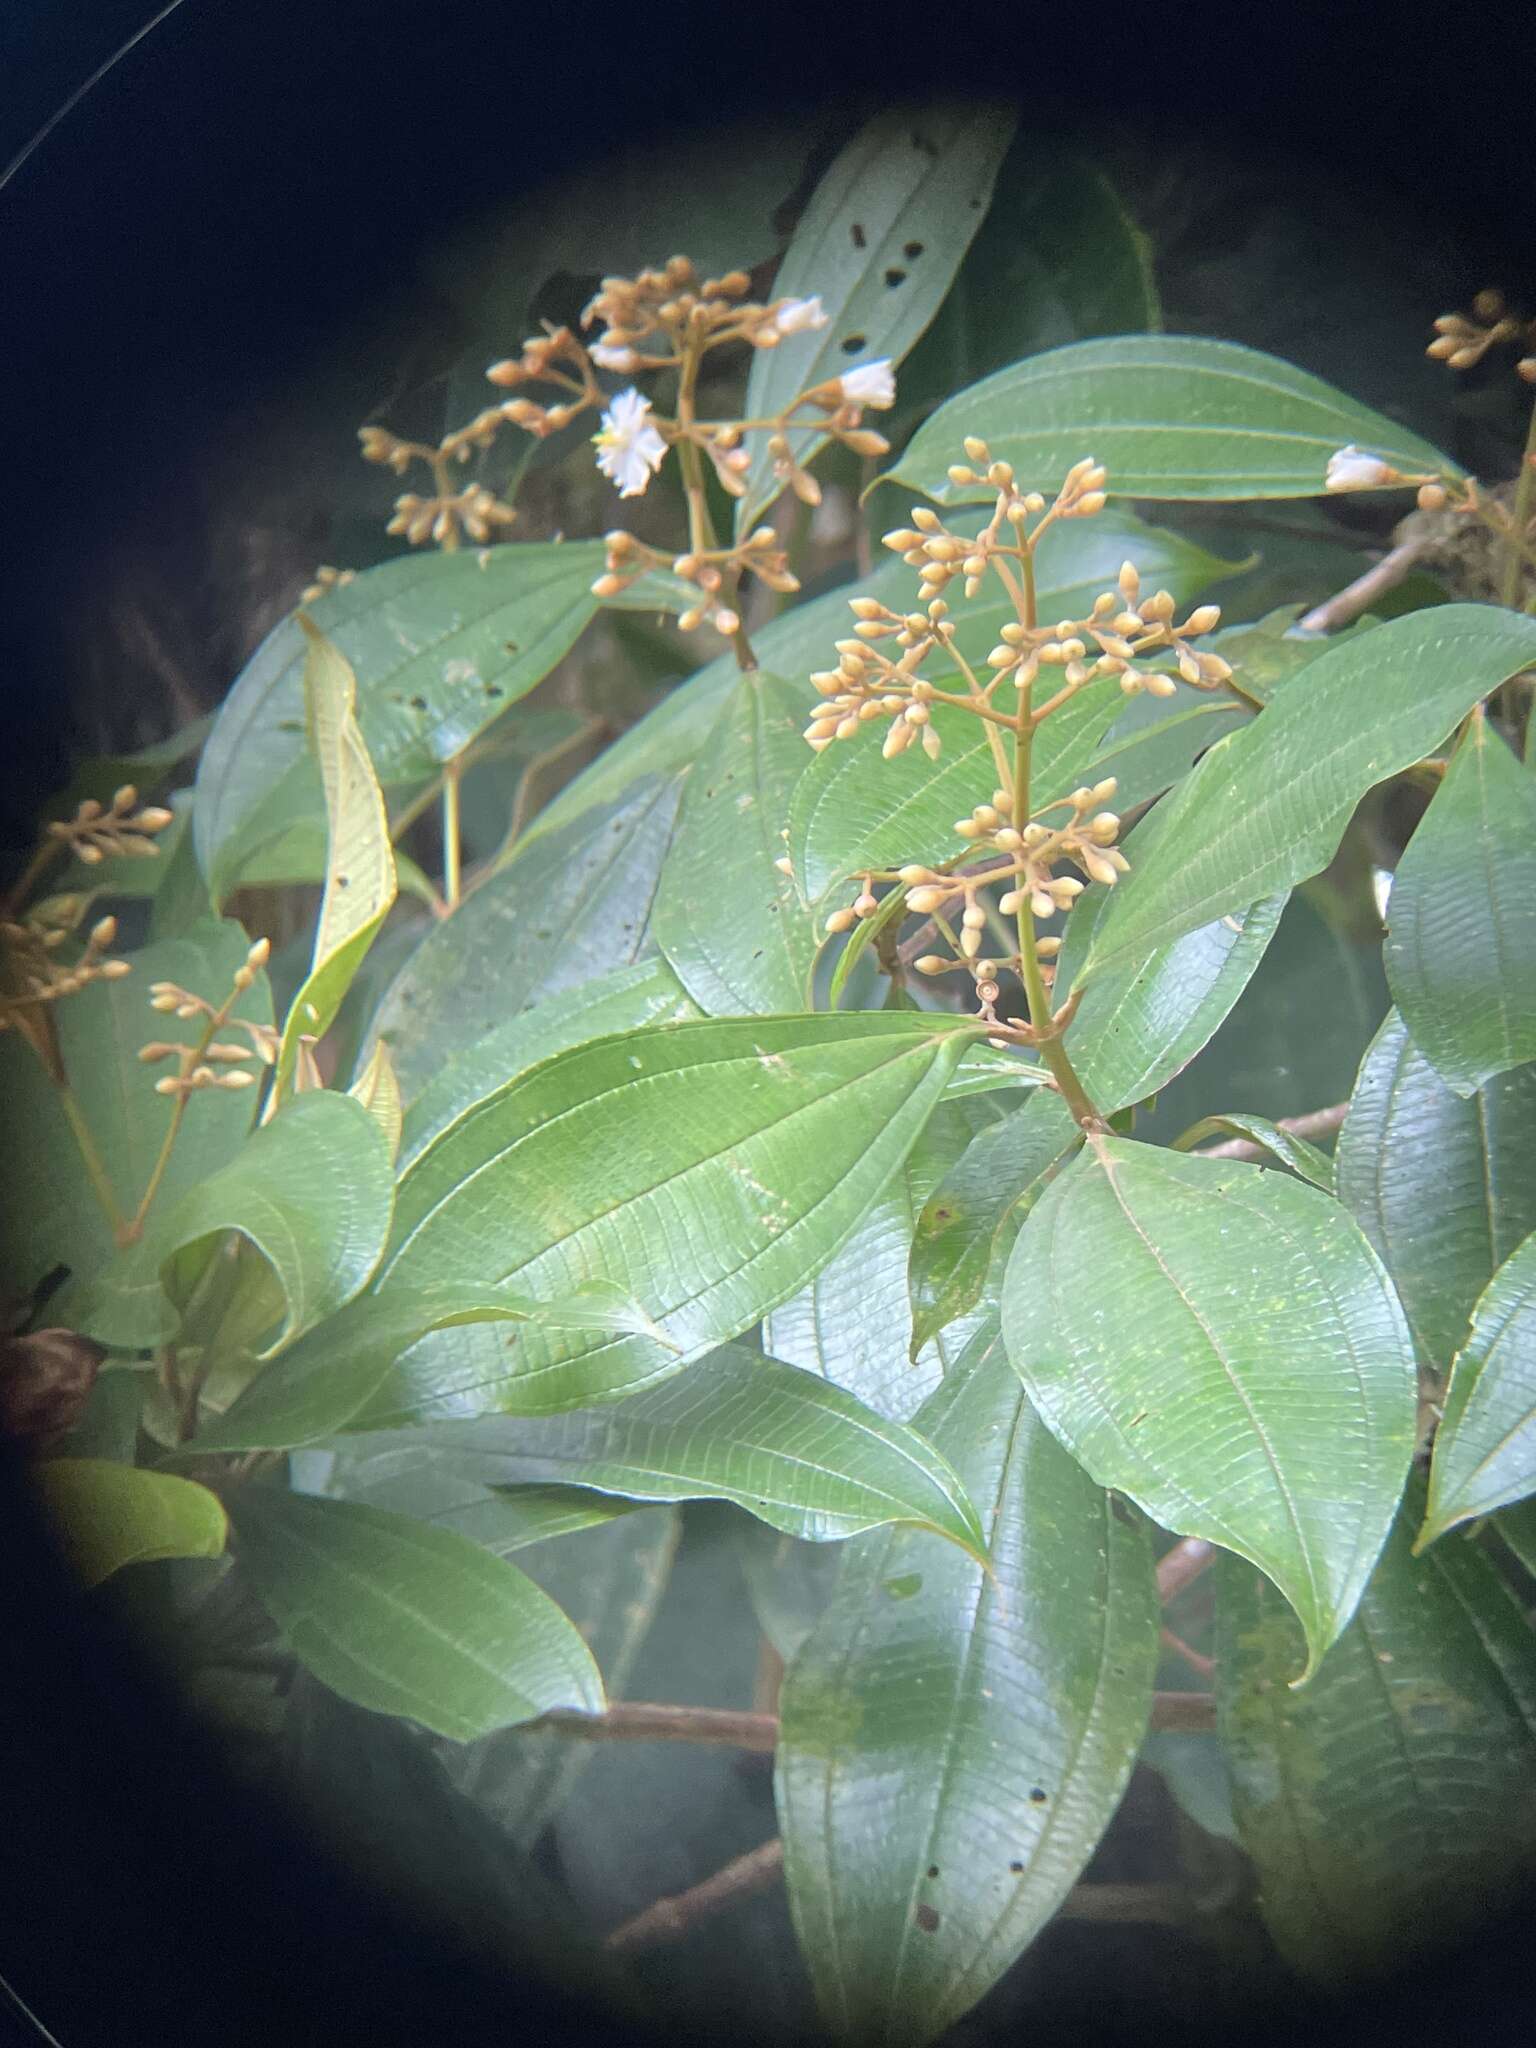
858, 235
912, 250
893, 278
852, 343
926, 1918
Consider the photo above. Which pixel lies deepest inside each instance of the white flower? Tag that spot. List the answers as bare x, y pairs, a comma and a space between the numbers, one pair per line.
870, 384
1349, 469
798, 316
607, 357
629, 449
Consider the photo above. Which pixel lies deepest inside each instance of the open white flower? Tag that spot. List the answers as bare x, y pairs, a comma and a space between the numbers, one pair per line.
608, 357
870, 384
629, 449
1350, 469
798, 316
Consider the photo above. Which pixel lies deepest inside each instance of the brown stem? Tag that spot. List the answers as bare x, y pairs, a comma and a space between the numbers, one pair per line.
1182, 1565
1346, 605
1202, 1666
1520, 518
1316, 1123
672, 1918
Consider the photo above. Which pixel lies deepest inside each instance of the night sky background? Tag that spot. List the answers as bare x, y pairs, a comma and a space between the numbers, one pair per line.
180, 247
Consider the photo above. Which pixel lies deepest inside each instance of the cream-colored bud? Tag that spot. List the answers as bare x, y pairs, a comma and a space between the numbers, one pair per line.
235, 1078
1160, 685
103, 932
1431, 497
846, 728
958, 473
866, 905
899, 539
690, 620
163, 1002
607, 586
154, 818
897, 740
933, 963
114, 970
1098, 867
973, 918
974, 566
168, 1085
968, 828
1104, 829
1526, 369
1086, 507
925, 899
913, 874
1203, 618
1002, 657
933, 745
867, 608
841, 921
1012, 901
944, 548
1000, 474
925, 519
1132, 684
91, 855
1007, 839
977, 449
1189, 668
868, 711
970, 942
785, 865
726, 622
917, 714
259, 953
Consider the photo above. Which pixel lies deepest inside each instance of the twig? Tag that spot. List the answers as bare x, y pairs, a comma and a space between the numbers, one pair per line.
672, 1918
1182, 1713
1317, 1123
1197, 1662
645, 1721
1346, 605
1182, 1565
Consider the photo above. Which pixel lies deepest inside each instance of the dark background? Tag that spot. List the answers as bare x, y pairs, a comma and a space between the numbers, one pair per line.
174, 255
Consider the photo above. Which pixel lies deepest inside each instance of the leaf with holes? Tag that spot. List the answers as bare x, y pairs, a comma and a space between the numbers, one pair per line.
1443, 1186
1170, 415
708, 1169
407, 1619
1387, 1806
735, 929
1461, 923
952, 1746
1267, 806
878, 244
1222, 1345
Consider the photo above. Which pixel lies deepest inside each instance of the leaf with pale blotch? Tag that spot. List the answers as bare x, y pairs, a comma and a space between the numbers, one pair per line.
311, 1191
567, 907
1222, 1345
1267, 806
408, 1619
647, 992
966, 1227
1301, 1157
1485, 1447
793, 1450
377, 1088
706, 1169
878, 244
106, 1515
1443, 1186
1389, 1806
952, 1745
1460, 952
359, 859
736, 931
1170, 415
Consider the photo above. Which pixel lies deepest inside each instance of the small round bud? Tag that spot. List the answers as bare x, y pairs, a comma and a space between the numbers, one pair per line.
103, 932
1007, 839
607, 586
959, 474
917, 714
973, 918
912, 874
1203, 618
933, 963
726, 622
1526, 368
1431, 497
925, 519
154, 818
926, 899
114, 970
867, 608
259, 954
1047, 948
866, 905
840, 921
977, 449
785, 865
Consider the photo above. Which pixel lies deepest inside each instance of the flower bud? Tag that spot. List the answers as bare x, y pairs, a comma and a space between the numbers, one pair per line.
840, 921
926, 899
933, 963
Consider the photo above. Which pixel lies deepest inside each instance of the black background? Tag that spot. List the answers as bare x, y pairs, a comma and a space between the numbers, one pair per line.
187, 238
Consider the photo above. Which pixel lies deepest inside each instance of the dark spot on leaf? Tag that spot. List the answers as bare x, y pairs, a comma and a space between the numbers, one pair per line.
1121, 1510
418, 703
933, 1870
927, 1918
852, 343
511, 646
912, 250
858, 235
1016, 1867
1037, 1795
894, 278
943, 1215
921, 142
494, 690
343, 881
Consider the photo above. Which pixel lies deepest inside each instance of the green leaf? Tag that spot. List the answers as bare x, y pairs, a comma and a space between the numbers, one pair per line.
311, 1190
377, 1088
1517, 1527
410, 1478
440, 645
1148, 754
951, 1749
1485, 1448
107, 1515
407, 1619
321, 1383
1183, 1325
1387, 1804
1268, 805
50, 1216
733, 928
1057, 259
1444, 1187
708, 1169
359, 860
1142, 1021
1170, 415
1461, 923
567, 907
1291, 1151
854, 810
853, 1324
878, 244
793, 1450
646, 993
967, 1226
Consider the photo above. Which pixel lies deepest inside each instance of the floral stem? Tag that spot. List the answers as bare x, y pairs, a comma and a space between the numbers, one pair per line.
96, 1171
42, 859
1520, 519
451, 840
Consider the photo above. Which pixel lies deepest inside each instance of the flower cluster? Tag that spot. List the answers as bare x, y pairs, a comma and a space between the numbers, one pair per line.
472, 511
326, 580
210, 1062
121, 828
707, 569
33, 970
1125, 634
1463, 343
